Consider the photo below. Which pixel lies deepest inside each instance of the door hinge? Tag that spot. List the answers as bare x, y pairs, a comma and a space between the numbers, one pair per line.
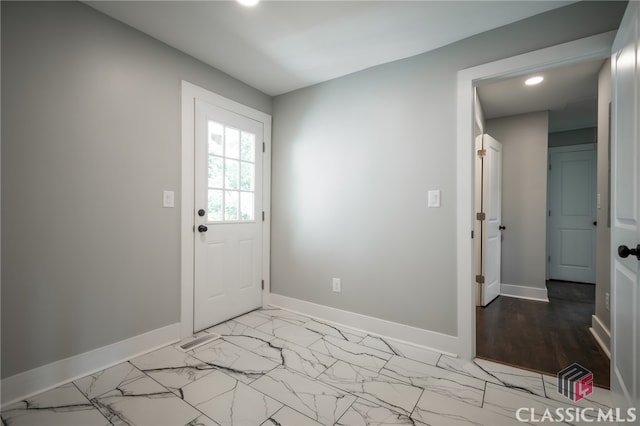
549, 213
264, 147
548, 258
472, 235
263, 216
549, 166
263, 284
480, 279
481, 153
480, 216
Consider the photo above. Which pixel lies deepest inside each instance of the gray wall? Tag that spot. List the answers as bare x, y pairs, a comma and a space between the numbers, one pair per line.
573, 137
353, 160
90, 139
524, 196
603, 236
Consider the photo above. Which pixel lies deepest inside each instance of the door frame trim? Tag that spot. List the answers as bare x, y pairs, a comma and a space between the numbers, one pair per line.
190, 92
590, 48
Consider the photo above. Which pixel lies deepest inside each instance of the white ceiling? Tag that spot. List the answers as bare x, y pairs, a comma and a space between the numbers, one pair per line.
570, 94
280, 46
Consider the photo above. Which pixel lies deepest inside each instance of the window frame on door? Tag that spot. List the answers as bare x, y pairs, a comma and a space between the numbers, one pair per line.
189, 93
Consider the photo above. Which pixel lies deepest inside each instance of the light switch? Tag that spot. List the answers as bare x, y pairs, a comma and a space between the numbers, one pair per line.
433, 198
168, 199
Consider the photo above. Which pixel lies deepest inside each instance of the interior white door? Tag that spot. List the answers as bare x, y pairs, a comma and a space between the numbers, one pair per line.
228, 215
492, 224
572, 213
625, 215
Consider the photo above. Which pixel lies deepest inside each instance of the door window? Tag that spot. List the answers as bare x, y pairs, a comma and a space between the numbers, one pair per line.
231, 174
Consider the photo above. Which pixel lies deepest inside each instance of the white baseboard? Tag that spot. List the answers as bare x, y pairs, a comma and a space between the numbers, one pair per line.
28, 383
602, 334
415, 336
523, 292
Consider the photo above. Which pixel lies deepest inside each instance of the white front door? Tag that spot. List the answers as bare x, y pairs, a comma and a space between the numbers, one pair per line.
228, 215
492, 224
572, 213
625, 215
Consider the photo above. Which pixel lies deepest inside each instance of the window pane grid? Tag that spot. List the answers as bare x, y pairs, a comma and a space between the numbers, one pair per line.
231, 174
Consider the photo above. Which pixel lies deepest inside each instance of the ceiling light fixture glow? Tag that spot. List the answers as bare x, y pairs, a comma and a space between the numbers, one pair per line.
248, 3
534, 80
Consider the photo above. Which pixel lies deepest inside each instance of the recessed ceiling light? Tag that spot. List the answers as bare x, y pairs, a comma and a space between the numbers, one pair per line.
248, 3
534, 80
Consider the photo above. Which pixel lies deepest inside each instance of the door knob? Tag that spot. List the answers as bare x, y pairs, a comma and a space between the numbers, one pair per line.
624, 251
595, 223
202, 228
502, 227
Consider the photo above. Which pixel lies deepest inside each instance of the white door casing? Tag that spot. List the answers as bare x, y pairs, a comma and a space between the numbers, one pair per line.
492, 209
625, 213
572, 213
188, 232
227, 215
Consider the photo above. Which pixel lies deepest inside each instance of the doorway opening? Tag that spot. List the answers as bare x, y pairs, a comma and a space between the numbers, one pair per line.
592, 48
549, 217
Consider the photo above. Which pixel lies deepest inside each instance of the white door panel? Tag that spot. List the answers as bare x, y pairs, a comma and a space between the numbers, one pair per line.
625, 273
572, 211
228, 215
492, 208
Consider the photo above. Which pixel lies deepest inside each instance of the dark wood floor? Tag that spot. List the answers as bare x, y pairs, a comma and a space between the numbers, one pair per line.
544, 337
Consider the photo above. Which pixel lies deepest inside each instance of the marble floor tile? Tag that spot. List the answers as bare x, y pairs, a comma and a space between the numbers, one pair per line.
202, 421
252, 319
353, 353
64, 406
515, 378
366, 413
240, 363
273, 367
289, 417
377, 388
277, 313
335, 331
108, 380
296, 358
312, 398
401, 349
172, 368
463, 366
241, 335
143, 401
436, 409
228, 401
447, 383
290, 332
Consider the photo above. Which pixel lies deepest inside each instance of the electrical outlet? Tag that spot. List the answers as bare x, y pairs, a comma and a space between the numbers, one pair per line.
606, 301
337, 286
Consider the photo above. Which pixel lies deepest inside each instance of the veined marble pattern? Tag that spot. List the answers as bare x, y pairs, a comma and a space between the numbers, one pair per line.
290, 332
352, 353
64, 405
378, 388
310, 397
240, 363
272, 367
